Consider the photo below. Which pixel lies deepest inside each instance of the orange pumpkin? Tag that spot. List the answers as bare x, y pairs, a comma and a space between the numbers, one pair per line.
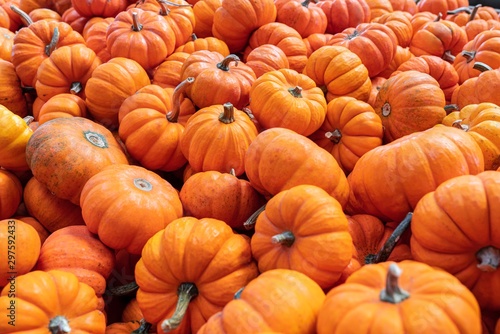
379, 8
11, 93
33, 222
208, 43
102, 8
466, 242
478, 89
314, 41
266, 58
302, 15
402, 55
409, 6
475, 27
44, 14
440, 6
343, 14
14, 19
75, 19
204, 11
400, 24
62, 105
95, 37
6, 43
377, 82
463, 15
14, 138
288, 99
418, 20
11, 192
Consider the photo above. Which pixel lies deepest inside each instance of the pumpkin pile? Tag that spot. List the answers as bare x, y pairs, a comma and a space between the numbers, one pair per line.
249, 166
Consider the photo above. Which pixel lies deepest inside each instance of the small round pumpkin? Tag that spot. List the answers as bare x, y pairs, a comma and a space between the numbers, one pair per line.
11, 93
302, 15
14, 138
266, 58
11, 192
62, 105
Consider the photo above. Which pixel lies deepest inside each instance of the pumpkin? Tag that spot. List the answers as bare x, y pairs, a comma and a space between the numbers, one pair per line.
409, 6
140, 196
478, 89
162, 130
234, 21
11, 192
481, 121
351, 129
288, 99
21, 244
62, 105
34, 43
44, 14
14, 138
102, 8
484, 49
123, 327
60, 6
168, 73
339, 72
74, 249
378, 38
419, 19
266, 58
53, 301
196, 266
217, 138
218, 79
52, 212
222, 196
278, 301
388, 181
400, 24
475, 27
65, 152
463, 15
15, 21
95, 38
284, 37
377, 82
314, 41
66, 70
311, 238
132, 312
379, 8
75, 19
135, 33
407, 297
402, 55
208, 43
33, 222
110, 84
6, 43
302, 15
408, 102
279, 159
436, 67
343, 14
466, 242
11, 93
204, 11
440, 6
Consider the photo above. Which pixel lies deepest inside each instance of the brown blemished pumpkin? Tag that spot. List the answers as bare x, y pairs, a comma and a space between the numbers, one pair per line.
197, 266
152, 136
266, 58
277, 301
139, 196
279, 159
389, 180
76, 250
21, 244
222, 196
52, 212
288, 99
351, 128
11, 93
466, 243
62, 105
407, 297
11, 192
54, 302
217, 138
14, 138
168, 73
204, 11
43, 233
110, 84
339, 72
65, 152
302, 15
408, 102
343, 14
311, 238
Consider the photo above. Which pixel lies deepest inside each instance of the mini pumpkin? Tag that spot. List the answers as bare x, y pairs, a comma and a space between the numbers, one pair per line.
11, 192
343, 14
302, 15
11, 93
62, 105
14, 138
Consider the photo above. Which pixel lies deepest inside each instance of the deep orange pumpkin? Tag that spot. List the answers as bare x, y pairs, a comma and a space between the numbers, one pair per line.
302, 15
343, 14
204, 11
168, 73
62, 105
11, 93
11, 191
266, 58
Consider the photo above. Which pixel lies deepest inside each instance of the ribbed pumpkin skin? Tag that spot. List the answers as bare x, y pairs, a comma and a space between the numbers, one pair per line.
66, 152
11, 94
14, 138
438, 303
389, 180
11, 193
41, 296
322, 246
467, 210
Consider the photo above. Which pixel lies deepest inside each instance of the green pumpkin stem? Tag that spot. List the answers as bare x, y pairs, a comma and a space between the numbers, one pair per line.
482, 67
25, 18
227, 117
286, 239
143, 328
185, 293
224, 64
393, 292
389, 245
335, 136
173, 115
122, 290
438, 17
250, 222
136, 26
295, 91
488, 258
49, 48
59, 325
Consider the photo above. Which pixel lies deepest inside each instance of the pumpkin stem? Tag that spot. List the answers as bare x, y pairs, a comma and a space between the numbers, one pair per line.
227, 117
482, 67
448, 56
232, 172
295, 91
143, 328
25, 18
389, 245
438, 17
28, 119
469, 55
250, 222
194, 37
458, 124
59, 325
474, 12
488, 258
237, 294
53, 42
459, 10
451, 107
224, 64
136, 26
334, 136
305, 3
386, 109
247, 111
186, 292
392, 292
122, 290
76, 87
285, 238
173, 115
